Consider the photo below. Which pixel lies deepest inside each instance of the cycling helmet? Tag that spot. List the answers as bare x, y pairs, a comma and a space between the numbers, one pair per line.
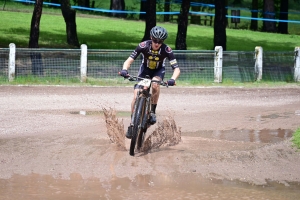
159, 33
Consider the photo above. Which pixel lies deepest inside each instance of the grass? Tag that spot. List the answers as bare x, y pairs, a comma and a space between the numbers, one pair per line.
44, 80
100, 32
296, 138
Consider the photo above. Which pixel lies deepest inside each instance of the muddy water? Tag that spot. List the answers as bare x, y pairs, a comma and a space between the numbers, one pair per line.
177, 186
160, 186
244, 135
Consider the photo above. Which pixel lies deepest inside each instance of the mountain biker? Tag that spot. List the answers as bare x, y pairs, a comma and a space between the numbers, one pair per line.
154, 54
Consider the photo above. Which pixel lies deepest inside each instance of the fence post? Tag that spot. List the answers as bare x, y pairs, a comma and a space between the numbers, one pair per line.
83, 63
297, 64
258, 63
12, 62
218, 64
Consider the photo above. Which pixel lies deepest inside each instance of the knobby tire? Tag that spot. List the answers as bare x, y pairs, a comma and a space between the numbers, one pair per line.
137, 129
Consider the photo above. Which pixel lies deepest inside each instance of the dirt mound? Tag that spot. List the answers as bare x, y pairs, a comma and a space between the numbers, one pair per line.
166, 133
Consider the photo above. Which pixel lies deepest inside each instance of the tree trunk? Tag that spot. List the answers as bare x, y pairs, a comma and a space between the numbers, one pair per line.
254, 14
220, 24
284, 8
143, 9
195, 19
269, 13
182, 25
83, 3
167, 9
117, 5
36, 58
70, 19
150, 18
35, 24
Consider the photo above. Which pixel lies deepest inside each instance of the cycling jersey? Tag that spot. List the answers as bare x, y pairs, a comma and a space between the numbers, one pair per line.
154, 59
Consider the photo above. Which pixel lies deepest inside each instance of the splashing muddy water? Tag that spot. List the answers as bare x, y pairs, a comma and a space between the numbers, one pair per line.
165, 134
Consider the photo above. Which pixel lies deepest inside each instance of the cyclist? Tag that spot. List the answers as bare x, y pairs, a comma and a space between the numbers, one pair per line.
154, 54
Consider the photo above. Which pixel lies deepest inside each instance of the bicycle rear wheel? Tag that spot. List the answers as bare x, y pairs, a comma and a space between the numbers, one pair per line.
137, 127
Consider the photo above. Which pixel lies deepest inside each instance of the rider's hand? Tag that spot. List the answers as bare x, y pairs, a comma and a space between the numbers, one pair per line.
171, 82
124, 73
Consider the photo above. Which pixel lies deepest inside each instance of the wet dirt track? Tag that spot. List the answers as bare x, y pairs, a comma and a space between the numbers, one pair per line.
235, 144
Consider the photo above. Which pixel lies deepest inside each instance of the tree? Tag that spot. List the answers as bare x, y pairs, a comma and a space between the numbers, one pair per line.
195, 19
150, 18
220, 23
83, 3
117, 5
36, 58
143, 8
254, 14
70, 19
182, 25
269, 13
35, 24
167, 9
284, 8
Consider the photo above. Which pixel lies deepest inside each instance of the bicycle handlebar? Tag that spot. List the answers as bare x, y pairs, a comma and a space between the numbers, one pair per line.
135, 78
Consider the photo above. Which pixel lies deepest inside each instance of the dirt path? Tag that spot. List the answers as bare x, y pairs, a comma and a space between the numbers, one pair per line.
227, 133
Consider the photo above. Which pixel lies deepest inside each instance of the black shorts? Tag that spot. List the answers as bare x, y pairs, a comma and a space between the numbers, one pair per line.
144, 71
151, 72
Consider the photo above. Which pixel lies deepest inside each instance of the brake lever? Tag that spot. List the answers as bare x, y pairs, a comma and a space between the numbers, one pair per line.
130, 78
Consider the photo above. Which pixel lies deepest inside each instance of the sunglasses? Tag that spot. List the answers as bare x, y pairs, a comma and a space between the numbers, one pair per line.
157, 41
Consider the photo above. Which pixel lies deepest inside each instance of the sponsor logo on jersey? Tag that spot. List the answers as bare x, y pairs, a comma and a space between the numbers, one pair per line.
168, 49
173, 62
142, 44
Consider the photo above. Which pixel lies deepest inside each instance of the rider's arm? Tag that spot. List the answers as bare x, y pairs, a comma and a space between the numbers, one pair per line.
176, 73
127, 63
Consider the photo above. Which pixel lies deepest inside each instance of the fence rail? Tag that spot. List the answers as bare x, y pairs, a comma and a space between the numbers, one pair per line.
83, 65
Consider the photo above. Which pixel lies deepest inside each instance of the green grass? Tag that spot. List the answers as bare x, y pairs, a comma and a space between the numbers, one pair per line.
296, 138
44, 80
100, 32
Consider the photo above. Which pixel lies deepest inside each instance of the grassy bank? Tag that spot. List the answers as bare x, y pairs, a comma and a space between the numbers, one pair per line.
296, 138
100, 32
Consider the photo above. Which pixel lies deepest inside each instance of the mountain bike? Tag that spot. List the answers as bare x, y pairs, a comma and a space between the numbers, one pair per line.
140, 120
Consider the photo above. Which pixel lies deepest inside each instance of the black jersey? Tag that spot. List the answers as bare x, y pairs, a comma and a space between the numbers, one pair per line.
154, 59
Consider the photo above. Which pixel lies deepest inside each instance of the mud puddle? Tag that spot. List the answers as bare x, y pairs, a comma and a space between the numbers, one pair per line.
101, 113
176, 186
258, 136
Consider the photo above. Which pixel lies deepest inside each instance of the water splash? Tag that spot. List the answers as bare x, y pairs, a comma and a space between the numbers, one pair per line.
115, 128
165, 134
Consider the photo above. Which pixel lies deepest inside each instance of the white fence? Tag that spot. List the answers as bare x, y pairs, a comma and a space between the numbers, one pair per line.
207, 65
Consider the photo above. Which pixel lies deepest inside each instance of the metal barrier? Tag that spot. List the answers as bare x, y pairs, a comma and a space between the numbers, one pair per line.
83, 65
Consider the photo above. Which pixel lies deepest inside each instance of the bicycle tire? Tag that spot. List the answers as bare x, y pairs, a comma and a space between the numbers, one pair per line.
137, 129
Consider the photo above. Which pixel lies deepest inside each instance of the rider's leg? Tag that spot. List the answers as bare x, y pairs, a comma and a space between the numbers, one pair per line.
154, 99
155, 94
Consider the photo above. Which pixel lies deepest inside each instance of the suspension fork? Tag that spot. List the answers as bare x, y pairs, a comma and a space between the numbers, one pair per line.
135, 107
146, 113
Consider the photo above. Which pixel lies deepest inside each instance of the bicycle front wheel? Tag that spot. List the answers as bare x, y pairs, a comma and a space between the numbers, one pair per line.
137, 125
